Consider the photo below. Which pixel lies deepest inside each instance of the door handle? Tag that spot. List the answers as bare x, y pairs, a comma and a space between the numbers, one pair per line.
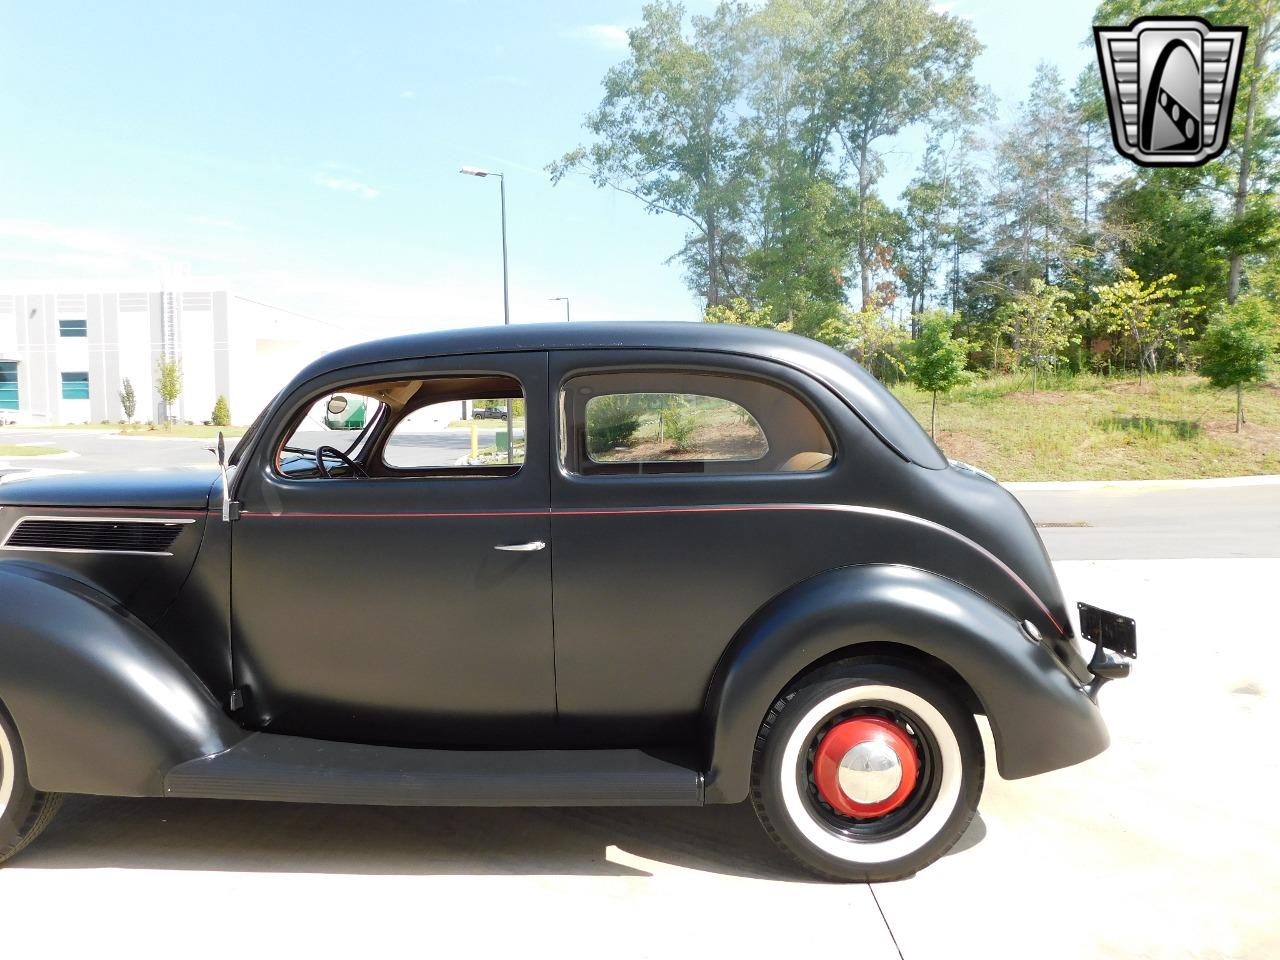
531, 547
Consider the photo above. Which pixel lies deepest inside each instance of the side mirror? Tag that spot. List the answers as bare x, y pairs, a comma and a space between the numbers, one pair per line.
337, 405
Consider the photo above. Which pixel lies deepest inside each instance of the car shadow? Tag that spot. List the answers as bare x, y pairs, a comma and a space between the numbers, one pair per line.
236, 836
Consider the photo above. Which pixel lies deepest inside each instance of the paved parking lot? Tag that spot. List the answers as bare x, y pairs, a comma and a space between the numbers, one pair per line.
1163, 847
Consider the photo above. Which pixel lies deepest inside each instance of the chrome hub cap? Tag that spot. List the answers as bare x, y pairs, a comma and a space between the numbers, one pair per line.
865, 767
870, 772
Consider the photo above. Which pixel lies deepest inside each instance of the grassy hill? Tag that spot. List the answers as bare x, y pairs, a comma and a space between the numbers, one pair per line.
1102, 428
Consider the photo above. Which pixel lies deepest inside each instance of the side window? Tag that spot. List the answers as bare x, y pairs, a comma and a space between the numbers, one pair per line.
461, 433
659, 421
430, 426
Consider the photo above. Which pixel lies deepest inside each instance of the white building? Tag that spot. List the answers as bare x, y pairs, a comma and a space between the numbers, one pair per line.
66, 348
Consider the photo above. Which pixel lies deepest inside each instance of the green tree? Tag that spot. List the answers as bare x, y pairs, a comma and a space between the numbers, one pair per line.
871, 337
669, 132
940, 217
221, 412
1246, 174
739, 313
1036, 223
1040, 325
169, 386
889, 64
936, 359
128, 399
1237, 347
1153, 316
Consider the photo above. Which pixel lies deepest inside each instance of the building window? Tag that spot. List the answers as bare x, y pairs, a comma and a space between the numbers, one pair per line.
75, 385
73, 328
8, 385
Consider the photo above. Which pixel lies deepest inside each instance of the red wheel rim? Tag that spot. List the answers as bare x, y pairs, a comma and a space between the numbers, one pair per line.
865, 767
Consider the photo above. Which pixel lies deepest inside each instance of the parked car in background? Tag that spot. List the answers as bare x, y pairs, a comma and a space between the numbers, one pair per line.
489, 413
725, 564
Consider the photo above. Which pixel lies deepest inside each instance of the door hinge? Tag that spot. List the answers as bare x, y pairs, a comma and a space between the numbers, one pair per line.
231, 510
237, 699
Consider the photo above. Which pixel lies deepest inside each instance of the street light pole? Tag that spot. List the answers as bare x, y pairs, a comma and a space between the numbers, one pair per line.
506, 296
566, 306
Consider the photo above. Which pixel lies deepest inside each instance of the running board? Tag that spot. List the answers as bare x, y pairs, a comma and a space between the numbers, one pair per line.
267, 766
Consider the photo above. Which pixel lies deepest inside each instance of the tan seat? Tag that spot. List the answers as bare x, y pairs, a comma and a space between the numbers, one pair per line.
807, 461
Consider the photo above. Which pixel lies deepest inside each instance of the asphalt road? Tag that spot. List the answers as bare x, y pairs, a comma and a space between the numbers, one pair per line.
1163, 847
1150, 521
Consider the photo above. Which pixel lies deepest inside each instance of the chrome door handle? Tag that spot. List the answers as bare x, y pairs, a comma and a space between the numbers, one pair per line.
531, 547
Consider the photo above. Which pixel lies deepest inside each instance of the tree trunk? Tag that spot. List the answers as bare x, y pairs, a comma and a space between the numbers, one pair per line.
1242, 182
1239, 406
864, 255
713, 280
933, 417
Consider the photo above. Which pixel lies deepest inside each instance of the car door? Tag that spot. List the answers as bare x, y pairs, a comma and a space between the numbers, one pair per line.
405, 607
678, 512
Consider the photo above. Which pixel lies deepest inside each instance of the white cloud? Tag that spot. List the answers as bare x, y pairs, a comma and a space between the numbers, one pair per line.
362, 190
408, 94
606, 36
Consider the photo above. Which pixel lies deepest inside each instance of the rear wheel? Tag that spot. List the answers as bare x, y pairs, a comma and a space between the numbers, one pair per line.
24, 811
867, 771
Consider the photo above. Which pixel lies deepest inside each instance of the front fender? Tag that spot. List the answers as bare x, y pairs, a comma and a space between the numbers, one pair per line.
1040, 717
101, 704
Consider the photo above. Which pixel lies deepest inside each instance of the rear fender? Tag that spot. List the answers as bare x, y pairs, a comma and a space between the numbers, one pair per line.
102, 705
1040, 717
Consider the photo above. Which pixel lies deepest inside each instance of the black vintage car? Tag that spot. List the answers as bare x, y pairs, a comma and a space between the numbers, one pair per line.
717, 564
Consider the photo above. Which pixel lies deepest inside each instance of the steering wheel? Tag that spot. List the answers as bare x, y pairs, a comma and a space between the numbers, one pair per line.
338, 455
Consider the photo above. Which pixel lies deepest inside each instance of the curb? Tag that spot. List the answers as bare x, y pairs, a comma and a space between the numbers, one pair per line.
1265, 480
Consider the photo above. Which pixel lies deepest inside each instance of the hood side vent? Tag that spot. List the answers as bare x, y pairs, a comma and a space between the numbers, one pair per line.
107, 535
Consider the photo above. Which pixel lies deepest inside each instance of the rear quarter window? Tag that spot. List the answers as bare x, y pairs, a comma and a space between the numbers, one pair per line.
673, 422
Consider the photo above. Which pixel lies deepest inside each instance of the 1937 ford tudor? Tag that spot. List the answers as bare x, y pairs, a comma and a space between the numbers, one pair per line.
689, 564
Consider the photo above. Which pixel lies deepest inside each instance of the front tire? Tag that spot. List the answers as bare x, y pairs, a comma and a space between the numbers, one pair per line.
24, 811
867, 771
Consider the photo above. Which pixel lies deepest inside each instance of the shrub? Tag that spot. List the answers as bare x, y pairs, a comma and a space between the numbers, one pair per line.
678, 425
613, 422
221, 413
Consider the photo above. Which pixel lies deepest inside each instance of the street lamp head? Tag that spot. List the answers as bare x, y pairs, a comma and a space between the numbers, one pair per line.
475, 172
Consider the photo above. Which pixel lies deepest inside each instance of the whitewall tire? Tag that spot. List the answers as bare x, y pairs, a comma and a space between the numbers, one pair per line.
867, 770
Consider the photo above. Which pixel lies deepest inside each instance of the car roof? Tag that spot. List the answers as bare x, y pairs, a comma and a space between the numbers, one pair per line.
877, 407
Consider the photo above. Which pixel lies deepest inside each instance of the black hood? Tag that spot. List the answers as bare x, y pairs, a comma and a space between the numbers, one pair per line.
160, 490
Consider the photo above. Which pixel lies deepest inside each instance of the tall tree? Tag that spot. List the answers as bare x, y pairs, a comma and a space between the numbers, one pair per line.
894, 63
1036, 165
941, 218
669, 132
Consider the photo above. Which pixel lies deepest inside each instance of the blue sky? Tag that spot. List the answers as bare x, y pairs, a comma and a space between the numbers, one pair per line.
308, 151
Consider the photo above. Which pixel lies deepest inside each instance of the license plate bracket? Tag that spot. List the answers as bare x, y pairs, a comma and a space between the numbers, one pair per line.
1111, 631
